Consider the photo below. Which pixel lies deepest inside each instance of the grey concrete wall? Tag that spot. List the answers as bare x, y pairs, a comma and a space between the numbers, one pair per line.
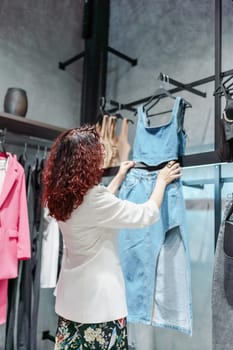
174, 37
34, 37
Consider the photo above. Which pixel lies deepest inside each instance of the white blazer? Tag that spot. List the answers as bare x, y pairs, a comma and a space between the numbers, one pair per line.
91, 287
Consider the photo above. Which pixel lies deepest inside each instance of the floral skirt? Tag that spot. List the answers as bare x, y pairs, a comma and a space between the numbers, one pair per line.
97, 336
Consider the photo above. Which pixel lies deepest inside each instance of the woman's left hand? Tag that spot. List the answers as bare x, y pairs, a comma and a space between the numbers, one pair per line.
124, 167
119, 178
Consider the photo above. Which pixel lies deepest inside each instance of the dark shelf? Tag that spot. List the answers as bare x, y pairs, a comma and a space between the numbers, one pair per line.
25, 126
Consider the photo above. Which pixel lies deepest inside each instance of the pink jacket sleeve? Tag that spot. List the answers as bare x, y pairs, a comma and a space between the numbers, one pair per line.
24, 244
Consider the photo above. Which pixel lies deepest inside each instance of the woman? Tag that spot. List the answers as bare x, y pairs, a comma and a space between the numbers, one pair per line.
90, 295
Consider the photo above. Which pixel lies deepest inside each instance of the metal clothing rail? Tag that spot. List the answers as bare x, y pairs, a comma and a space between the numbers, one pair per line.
164, 77
202, 81
179, 87
64, 64
169, 80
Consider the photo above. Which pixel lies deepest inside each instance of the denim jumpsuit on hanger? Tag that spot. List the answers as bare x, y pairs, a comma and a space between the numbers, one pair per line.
155, 259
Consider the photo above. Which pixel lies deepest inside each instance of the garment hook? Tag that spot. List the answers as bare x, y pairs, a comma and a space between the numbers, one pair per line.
45, 152
25, 148
38, 151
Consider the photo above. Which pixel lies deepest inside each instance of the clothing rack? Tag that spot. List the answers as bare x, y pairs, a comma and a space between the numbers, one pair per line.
165, 78
13, 139
179, 87
120, 106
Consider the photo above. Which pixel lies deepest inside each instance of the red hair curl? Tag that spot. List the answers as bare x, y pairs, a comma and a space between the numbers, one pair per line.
73, 167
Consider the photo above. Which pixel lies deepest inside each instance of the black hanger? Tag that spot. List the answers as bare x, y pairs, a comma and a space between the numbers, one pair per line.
2, 142
23, 157
119, 115
161, 93
102, 104
37, 164
158, 94
225, 89
130, 121
43, 159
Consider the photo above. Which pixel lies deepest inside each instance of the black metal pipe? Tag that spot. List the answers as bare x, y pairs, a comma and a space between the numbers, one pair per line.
95, 62
218, 66
122, 106
117, 53
177, 89
217, 99
62, 65
200, 159
47, 335
217, 202
165, 77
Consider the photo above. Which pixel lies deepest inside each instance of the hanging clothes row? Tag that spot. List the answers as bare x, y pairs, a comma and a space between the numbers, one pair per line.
36, 272
156, 260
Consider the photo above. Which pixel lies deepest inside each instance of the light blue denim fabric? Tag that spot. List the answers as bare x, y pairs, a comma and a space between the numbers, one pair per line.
156, 259
154, 145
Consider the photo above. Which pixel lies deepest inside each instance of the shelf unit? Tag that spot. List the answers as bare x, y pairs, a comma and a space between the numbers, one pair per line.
29, 127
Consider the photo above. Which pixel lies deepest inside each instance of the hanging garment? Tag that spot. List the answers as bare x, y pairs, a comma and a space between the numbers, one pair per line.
225, 149
3, 300
228, 110
13, 286
156, 260
104, 135
14, 228
29, 289
155, 145
50, 252
123, 143
222, 287
113, 142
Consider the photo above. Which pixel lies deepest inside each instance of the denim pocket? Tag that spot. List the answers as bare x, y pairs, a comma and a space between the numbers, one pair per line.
127, 186
171, 205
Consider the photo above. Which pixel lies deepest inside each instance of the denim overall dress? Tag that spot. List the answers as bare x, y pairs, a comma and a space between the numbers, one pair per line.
155, 259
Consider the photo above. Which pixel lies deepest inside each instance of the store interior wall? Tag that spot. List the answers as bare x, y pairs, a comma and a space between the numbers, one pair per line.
34, 37
176, 38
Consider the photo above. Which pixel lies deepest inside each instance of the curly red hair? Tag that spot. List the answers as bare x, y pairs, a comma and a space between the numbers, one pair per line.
73, 167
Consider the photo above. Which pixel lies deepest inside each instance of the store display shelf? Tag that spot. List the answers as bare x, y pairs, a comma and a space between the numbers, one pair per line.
25, 126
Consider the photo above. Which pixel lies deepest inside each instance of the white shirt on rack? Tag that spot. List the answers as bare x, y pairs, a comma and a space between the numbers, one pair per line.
3, 167
49, 252
91, 287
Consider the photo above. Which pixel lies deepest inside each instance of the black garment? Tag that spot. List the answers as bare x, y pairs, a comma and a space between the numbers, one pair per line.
60, 253
222, 296
229, 108
29, 291
11, 312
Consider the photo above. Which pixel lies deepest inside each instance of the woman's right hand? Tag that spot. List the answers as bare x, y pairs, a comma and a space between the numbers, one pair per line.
171, 172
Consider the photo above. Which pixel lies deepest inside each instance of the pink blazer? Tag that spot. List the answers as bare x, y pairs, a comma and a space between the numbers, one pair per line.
14, 225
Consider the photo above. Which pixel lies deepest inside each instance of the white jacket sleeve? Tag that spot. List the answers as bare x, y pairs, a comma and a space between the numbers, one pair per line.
110, 211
